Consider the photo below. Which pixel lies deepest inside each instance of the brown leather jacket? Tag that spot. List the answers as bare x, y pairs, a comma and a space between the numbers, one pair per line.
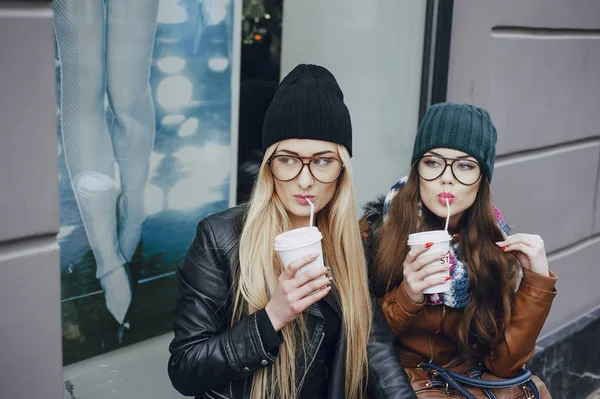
429, 333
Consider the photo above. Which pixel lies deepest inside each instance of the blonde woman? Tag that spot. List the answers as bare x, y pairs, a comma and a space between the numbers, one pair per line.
244, 326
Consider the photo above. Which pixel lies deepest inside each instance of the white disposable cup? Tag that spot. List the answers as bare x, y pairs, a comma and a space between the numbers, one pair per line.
441, 243
297, 243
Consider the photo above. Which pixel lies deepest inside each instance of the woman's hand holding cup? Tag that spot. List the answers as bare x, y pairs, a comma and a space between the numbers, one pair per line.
415, 272
295, 293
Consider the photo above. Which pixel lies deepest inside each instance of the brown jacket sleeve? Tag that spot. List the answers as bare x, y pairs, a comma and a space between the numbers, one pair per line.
530, 309
399, 309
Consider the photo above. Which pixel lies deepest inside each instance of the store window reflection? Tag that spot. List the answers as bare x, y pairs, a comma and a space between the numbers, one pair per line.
145, 90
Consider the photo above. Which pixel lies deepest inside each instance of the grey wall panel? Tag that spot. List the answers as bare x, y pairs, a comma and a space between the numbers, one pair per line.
553, 14
577, 285
470, 62
30, 336
551, 194
521, 81
549, 96
597, 208
583, 14
28, 149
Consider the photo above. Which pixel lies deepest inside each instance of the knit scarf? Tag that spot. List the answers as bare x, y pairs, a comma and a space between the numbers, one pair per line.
459, 293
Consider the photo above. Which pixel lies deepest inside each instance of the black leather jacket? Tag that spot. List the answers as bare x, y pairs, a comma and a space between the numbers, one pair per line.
211, 359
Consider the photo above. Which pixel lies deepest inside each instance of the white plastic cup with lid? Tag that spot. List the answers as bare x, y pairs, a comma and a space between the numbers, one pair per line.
441, 243
297, 243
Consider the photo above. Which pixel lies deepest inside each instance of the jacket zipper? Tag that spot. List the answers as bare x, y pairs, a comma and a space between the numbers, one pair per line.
310, 364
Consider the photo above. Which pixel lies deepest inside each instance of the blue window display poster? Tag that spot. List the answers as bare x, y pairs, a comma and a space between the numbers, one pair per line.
146, 90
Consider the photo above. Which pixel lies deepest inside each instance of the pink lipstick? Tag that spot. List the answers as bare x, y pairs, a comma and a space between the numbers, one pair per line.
443, 197
301, 199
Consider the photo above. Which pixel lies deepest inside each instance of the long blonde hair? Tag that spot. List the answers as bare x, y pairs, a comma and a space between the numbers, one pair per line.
260, 268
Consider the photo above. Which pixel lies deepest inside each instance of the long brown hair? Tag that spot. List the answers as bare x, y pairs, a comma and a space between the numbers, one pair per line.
492, 273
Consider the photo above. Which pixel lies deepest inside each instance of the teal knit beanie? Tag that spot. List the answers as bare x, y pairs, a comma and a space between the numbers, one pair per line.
461, 127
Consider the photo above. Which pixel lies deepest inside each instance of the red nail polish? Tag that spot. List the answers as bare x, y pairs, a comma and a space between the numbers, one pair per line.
429, 245
448, 278
502, 248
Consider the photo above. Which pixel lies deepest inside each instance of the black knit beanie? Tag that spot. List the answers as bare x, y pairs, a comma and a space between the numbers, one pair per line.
308, 104
461, 127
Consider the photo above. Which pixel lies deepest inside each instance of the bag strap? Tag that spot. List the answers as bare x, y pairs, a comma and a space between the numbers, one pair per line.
450, 382
453, 379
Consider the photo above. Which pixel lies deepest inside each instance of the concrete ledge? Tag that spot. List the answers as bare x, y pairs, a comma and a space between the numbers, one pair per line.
136, 371
567, 359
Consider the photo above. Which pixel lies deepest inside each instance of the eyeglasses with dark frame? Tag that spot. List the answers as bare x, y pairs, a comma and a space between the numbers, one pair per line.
287, 167
465, 171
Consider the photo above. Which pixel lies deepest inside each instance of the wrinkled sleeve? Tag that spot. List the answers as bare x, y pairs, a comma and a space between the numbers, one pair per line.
207, 352
399, 309
532, 304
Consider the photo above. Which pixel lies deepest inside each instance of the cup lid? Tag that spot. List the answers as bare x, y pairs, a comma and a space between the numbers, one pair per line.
429, 236
297, 238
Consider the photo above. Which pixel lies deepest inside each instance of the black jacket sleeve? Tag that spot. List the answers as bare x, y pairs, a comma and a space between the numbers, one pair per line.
387, 378
207, 352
